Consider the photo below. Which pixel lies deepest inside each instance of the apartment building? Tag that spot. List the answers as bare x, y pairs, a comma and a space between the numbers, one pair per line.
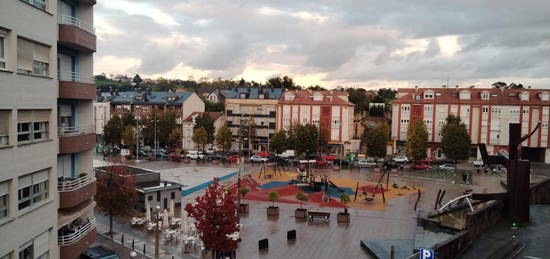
258, 104
46, 184
330, 111
189, 124
487, 113
142, 103
102, 114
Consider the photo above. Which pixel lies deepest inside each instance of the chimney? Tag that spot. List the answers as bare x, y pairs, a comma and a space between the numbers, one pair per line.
456, 87
415, 88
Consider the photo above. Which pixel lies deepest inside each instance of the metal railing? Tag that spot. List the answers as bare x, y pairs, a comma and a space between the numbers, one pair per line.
75, 130
65, 240
71, 185
71, 20
74, 77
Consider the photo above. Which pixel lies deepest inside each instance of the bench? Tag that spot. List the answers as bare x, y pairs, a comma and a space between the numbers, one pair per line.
311, 215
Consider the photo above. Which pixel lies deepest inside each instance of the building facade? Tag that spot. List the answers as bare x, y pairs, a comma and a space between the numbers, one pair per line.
46, 133
189, 123
486, 113
257, 104
142, 103
102, 114
330, 111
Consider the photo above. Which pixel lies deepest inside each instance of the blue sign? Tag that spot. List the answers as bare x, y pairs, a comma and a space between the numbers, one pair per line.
426, 254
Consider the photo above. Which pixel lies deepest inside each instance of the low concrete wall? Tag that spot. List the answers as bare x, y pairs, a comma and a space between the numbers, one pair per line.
484, 218
452, 247
540, 193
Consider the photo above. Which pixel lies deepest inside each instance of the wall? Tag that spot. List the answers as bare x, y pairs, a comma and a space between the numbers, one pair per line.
192, 104
484, 218
540, 193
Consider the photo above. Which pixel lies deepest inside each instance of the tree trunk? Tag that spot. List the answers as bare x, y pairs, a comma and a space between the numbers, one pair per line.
111, 224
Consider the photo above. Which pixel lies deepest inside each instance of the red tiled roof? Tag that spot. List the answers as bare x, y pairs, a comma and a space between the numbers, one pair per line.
213, 115
306, 97
451, 96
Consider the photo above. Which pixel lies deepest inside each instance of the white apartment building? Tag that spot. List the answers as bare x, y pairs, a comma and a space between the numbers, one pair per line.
330, 111
487, 113
46, 133
102, 114
189, 123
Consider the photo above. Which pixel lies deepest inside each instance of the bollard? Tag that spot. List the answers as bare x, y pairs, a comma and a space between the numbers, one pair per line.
144, 249
133, 240
122, 240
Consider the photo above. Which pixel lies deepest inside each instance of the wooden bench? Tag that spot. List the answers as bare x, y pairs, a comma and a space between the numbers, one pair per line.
311, 215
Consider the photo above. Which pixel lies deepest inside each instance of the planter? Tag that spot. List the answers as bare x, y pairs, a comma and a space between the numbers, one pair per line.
272, 211
243, 208
300, 213
187, 160
377, 169
343, 217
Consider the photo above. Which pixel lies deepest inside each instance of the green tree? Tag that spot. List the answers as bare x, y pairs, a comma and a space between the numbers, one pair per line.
129, 136
200, 137
166, 123
455, 140
308, 139
224, 138
214, 107
377, 139
301, 197
137, 79
278, 143
128, 119
207, 123
112, 131
417, 140
273, 196
174, 140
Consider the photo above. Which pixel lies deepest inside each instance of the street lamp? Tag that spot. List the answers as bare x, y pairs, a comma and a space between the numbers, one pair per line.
157, 233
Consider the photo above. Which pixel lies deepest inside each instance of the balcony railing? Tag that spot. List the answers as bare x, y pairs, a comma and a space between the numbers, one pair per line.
71, 185
75, 130
64, 240
74, 77
71, 20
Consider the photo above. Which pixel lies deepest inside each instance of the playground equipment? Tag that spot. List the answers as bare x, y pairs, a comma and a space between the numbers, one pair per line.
270, 167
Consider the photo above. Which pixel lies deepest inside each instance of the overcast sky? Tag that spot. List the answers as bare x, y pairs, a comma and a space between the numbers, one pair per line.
364, 43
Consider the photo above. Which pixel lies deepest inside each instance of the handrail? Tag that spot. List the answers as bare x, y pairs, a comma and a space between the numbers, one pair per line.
71, 185
64, 240
75, 131
465, 196
74, 77
71, 20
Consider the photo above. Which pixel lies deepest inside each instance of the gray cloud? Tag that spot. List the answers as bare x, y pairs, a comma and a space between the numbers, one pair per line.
347, 41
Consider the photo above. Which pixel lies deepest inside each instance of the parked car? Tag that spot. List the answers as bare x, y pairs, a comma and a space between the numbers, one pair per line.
444, 161
390, 164
209, 151
421, 166
478, 163
425, 161
262, 154
288, 153
322, 162
330, 157
233, 158
259, 159
99, 252
160, 154
195, 155
401, 159
366, 162
447, 167
341, 162
142, 153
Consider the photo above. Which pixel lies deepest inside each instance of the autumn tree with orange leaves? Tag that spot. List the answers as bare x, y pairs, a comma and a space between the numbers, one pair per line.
116, 192
216, 218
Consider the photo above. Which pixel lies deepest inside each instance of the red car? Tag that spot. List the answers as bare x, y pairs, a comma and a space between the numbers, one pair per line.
420, 167
233, 158
322, 162
330, 157
262, 154
425, 161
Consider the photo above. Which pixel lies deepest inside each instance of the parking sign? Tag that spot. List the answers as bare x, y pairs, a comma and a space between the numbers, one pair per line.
426, 254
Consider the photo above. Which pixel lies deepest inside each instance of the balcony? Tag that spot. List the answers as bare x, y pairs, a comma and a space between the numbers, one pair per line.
86, 2
72, 243
75, 192
76, 34
75, 139
73, 85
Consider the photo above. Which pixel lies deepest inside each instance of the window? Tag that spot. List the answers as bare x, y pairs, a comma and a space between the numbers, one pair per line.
26, 251
32, 125
32, 58
4, 199
150, 197
485, 109
32, 189
158, 196
428, 95
40, 4
485, 95
172, 195
2, 49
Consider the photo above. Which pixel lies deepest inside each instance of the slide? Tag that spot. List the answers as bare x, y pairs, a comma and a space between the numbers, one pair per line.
335, 186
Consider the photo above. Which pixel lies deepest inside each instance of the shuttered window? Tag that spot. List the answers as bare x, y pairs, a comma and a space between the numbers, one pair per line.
32, 58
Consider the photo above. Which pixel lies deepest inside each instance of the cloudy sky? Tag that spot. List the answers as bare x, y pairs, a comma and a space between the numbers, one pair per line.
368, 43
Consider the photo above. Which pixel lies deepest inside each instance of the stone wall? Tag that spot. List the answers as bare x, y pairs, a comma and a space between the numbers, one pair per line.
540, 193
484, 218
452, 247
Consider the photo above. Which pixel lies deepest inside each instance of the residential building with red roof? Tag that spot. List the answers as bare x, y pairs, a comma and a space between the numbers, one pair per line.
331, 111
486, 112
189, 123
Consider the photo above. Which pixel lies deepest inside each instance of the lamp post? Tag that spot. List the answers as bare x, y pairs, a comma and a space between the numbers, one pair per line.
157, 233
